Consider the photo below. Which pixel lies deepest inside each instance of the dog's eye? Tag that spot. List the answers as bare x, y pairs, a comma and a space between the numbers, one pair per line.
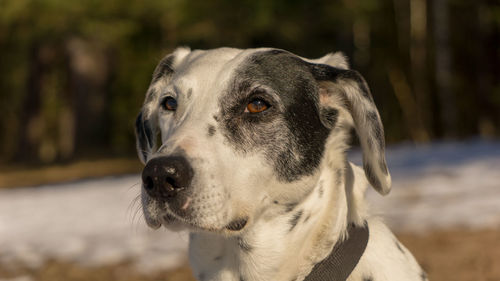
169, 103
256, 106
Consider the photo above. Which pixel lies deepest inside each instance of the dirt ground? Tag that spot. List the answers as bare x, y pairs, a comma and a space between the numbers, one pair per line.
22, 175
458, 255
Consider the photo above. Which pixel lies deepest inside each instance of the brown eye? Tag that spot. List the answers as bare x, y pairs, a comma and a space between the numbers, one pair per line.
256, 106
169, 103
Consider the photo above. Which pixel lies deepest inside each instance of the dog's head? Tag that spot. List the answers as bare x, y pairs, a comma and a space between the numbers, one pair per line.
227, 133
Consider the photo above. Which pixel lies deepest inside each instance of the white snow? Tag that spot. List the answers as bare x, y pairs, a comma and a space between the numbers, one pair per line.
441, 186
93, 222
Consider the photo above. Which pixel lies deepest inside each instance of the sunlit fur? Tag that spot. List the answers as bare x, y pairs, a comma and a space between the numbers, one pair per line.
232, 183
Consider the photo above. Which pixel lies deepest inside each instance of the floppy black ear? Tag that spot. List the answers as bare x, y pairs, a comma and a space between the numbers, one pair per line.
146, 128
350, 88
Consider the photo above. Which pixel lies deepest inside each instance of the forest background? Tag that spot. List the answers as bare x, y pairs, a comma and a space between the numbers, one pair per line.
73, 74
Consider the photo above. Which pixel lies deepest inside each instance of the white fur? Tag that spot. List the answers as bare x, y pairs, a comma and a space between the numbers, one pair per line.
229, 184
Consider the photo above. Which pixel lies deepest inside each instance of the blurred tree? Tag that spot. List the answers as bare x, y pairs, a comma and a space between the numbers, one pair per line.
73, 73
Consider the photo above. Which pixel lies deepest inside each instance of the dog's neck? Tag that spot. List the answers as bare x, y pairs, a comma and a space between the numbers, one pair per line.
282, 247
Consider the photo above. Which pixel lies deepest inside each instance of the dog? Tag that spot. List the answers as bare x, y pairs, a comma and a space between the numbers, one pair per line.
247, 150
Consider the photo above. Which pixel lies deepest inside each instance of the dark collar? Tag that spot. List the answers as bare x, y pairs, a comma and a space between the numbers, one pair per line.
343, 258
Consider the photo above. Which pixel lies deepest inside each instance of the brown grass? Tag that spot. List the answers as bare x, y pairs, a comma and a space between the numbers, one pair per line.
455, 255
64, 271
14, 176
458, 255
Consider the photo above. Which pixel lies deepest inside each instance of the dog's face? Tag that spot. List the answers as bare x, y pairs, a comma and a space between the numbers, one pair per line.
244, 133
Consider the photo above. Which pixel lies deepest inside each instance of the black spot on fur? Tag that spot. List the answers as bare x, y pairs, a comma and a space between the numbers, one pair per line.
211, 130
329, 117
290, 206
339, 177
292, 122
216, 118
423, 276
164, 68
369, 278
244, 245
237, 224
399, 247
295, 219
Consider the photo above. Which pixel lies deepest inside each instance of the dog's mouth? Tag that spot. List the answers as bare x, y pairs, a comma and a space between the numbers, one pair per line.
237, 225
174, 223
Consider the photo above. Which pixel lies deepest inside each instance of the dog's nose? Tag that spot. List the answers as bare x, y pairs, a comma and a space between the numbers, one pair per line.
164, 177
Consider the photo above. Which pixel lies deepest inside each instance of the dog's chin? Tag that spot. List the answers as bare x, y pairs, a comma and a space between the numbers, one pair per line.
176, 223
234, 227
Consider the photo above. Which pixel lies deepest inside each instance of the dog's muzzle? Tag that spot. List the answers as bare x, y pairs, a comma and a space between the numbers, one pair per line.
164, 177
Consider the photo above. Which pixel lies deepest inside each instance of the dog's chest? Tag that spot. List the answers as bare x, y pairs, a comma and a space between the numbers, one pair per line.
250, 258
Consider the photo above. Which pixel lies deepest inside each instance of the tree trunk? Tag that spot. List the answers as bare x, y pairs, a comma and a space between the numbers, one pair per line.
446, 97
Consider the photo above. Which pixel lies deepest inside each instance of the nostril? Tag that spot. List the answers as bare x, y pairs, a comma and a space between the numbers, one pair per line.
172, 182
148, 183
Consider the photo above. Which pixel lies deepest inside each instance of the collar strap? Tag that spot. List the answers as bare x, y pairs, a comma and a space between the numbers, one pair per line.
343, 258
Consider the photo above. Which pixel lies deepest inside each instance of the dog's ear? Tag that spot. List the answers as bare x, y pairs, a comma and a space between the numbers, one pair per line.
341, 87
146, 124
337, 59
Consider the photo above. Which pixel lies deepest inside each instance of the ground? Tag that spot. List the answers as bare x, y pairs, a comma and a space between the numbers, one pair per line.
458, 255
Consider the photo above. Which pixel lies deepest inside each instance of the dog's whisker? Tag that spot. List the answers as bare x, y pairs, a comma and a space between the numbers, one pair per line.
134, 185
135, 203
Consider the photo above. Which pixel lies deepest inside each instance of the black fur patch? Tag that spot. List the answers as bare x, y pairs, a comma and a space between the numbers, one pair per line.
290, 206
164, 68
211, 130
295, 219
237, 224
399, 247
292, 122
329, 117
